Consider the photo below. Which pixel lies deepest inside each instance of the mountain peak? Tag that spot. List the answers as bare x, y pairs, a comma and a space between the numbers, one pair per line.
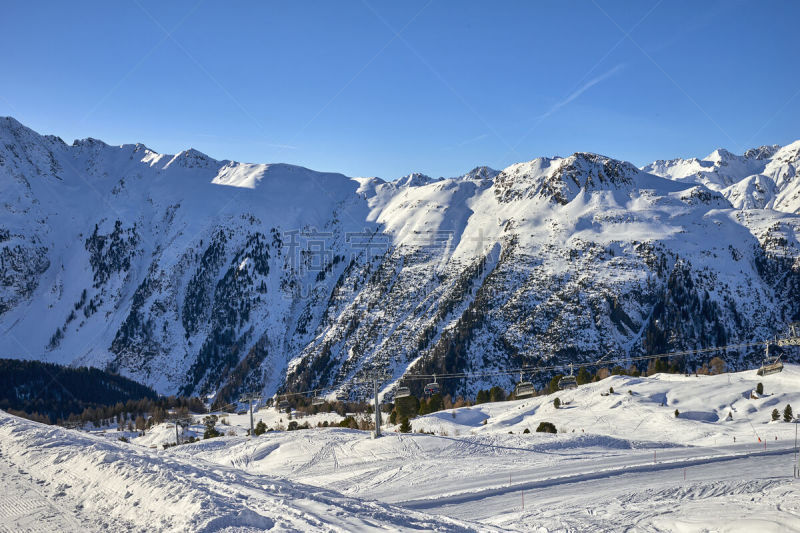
560, 180
762, 152
721, 154
720, 169
192, 158
11, 128
10, 123
415, 179
481, 173
88, 142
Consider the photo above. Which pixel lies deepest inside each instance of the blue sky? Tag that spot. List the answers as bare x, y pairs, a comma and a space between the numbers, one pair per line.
387, 88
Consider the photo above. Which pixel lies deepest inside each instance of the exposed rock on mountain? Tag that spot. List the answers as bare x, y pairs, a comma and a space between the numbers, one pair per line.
215, 277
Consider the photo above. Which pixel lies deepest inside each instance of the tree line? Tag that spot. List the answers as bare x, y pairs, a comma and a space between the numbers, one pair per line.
51, 393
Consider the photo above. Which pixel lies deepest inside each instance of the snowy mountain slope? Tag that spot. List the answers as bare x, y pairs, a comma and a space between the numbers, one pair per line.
761, 177
79, 482
718, 170
714, 410
620, 460
215, 277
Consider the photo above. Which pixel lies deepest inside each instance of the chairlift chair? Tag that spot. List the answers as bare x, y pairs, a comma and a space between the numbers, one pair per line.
568, 382
432, 388
770, 366
283, 405
402, 392
524, 389
317, 400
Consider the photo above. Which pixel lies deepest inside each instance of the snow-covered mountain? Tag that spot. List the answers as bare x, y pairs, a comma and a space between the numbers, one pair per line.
761, 177
202, 276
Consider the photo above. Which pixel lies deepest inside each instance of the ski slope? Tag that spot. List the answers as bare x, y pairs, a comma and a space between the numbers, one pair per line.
57, 479
621, 461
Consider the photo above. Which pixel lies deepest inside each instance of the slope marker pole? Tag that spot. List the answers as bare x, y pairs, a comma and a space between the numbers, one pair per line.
797, 465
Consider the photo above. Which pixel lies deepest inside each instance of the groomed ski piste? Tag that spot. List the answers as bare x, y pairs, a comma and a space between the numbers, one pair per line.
621, 461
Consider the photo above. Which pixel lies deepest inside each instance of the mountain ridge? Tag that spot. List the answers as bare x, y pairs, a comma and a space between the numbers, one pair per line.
216, 277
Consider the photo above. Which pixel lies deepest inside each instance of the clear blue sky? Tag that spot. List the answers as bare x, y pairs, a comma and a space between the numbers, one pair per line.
380, 88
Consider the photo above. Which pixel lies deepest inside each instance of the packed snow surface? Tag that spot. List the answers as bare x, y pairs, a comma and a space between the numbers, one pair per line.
621, 461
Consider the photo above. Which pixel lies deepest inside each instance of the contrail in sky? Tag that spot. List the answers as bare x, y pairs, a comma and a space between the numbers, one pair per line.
591, 83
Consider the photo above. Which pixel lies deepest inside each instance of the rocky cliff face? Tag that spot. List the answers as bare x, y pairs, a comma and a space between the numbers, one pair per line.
215, 277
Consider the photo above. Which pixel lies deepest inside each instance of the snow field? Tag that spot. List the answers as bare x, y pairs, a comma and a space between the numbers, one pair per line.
620, 461
97, 485
629, 463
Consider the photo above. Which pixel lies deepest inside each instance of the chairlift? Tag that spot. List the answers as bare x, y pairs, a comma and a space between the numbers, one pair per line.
568, 382
317, 400
432, 388
402, 392
282, 405
770, 366
524, 389
341, 396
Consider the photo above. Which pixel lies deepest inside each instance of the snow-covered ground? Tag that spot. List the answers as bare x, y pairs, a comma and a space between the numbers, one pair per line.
621, 461
57, 479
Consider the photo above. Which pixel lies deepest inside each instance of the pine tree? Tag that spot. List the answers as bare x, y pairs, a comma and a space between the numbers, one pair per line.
787, 413
211, 431
424, 407
553, 385
677, 413
760, 389
557, 403
483, 396
406, 407
497, 394
405, 426
435, 403
775, 414
260, 428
